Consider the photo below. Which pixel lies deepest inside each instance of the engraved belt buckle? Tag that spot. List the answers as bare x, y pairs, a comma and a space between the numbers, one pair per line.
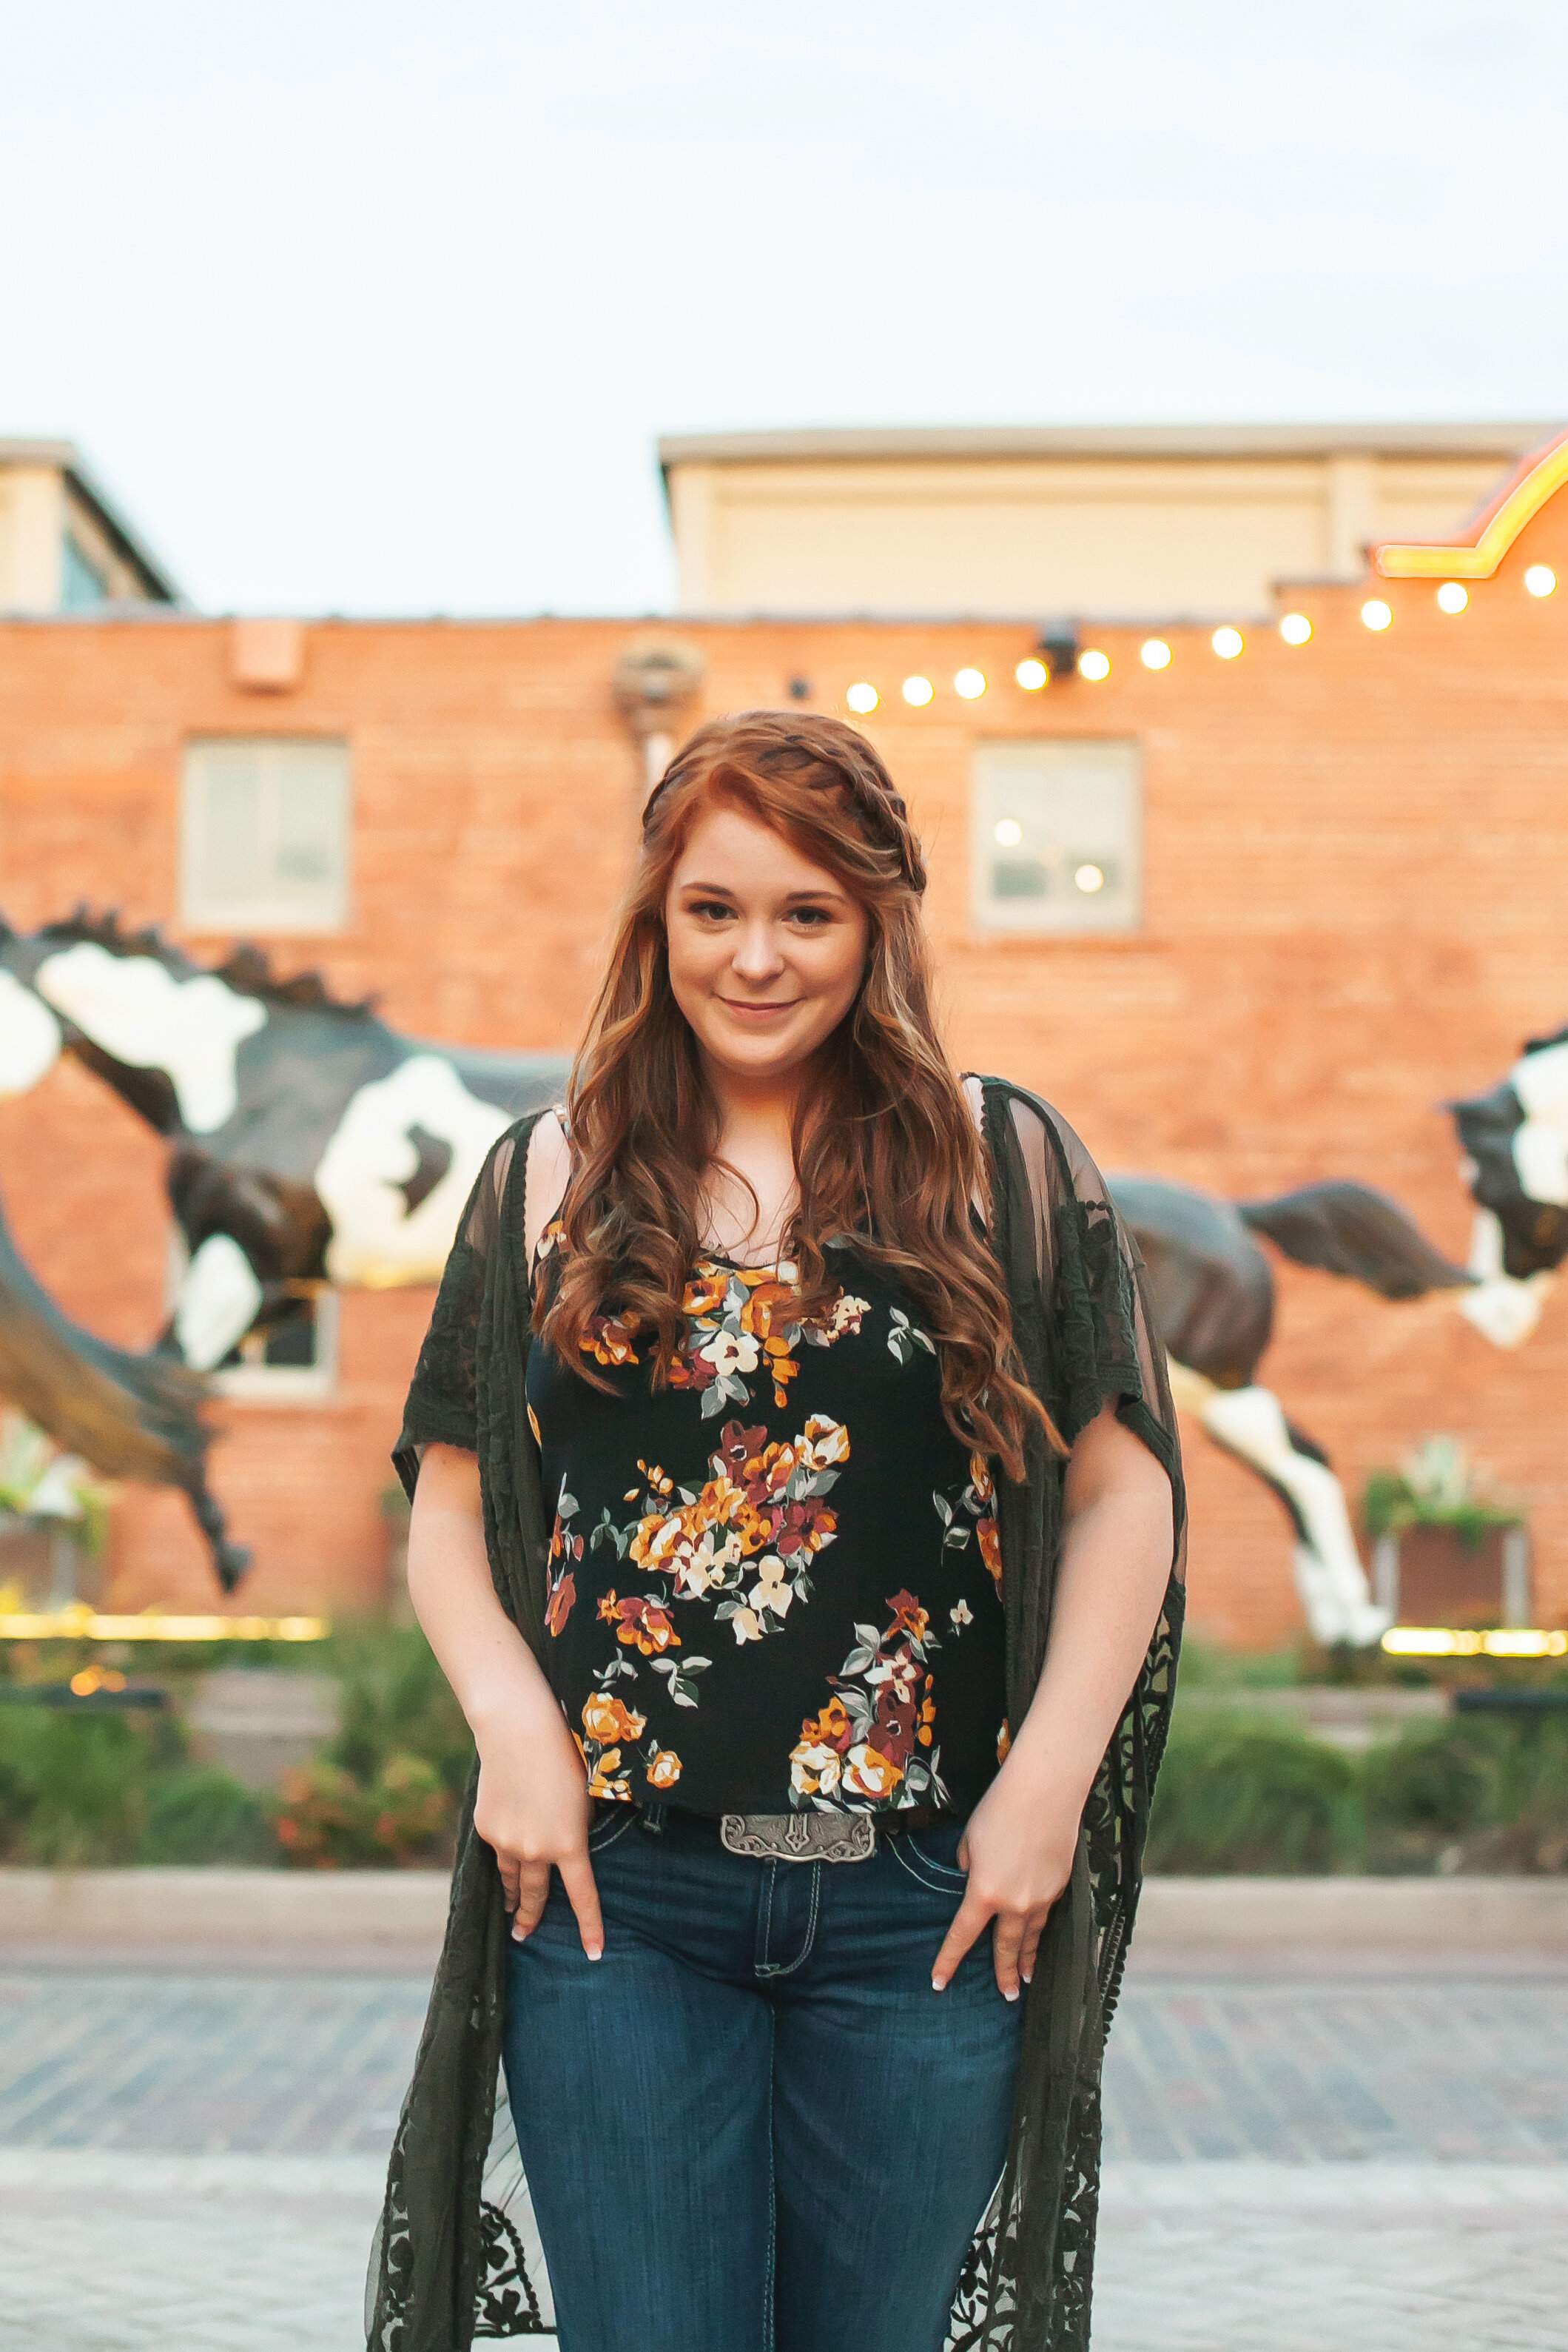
799, 1837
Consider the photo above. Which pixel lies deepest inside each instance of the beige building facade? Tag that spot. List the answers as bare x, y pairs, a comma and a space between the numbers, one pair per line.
62, 547
1189, 523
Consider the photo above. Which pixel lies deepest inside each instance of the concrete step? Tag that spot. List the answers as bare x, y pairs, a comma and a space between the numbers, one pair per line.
409, 1906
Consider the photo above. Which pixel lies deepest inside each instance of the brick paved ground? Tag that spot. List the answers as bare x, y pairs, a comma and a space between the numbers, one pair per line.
1306, 2156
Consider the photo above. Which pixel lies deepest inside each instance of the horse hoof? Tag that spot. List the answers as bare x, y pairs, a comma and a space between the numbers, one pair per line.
231, 1561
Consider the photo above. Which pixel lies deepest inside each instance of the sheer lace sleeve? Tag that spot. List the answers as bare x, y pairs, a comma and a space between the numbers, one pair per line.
443, 1403
1100, 1337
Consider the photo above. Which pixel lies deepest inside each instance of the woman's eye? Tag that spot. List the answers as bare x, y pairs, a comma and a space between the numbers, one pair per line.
711, 909
813, 916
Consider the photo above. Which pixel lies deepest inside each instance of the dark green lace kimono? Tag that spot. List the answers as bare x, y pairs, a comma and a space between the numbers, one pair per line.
457, 2254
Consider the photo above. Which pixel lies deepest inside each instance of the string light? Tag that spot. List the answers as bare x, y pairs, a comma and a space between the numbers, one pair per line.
1453, 596
77, 1623
1540, 580
1032, 675
1154, 654
969, 685
862, 696
918, 691
1376, 614
1228, 643
1094, 664
1295, 629
1464, 1642
1008, 832
1090, 879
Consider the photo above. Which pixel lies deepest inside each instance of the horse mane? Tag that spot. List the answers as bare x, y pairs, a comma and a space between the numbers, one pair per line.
246, 969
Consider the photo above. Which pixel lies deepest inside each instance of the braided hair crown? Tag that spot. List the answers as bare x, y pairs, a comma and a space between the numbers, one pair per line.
823, 752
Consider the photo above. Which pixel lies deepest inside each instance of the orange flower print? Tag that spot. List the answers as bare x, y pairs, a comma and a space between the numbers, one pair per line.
1004, 1744
870, 1773
563, 1594
602, 1780
607, 1719
642, 1624
980, 1484
663, 1769
608, 1340
831, 1725
991, 1548
908, 1617
534, 1425
705, 1290
824, 1442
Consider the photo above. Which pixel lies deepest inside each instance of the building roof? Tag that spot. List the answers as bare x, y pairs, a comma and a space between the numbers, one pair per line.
1420, 439
127, 542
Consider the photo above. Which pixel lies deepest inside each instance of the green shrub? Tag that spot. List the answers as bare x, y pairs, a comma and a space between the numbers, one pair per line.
327, 1819
74, 1786
201, 1814
1236, 1794
1438, 1778
396, 1702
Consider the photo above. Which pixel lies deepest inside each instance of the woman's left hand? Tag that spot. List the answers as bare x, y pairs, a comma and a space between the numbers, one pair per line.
1018, 1849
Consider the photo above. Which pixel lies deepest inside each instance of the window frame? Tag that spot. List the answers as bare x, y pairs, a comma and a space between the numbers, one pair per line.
1028, 919
202, 911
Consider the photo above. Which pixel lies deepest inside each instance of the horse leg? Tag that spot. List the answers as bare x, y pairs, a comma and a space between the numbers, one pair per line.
219, 1299
1251, 1424
230, 1560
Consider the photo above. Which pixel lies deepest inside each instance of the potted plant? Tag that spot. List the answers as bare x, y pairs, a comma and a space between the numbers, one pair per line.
54, 1518
1446, 1550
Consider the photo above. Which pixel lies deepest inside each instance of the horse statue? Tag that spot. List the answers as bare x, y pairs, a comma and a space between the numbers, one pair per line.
311, 1144
1214, 1297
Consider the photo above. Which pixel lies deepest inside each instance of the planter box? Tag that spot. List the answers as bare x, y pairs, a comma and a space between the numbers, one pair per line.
1429, 1576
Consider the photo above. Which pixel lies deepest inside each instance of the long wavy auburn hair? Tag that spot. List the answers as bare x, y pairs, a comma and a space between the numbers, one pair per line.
886, 1151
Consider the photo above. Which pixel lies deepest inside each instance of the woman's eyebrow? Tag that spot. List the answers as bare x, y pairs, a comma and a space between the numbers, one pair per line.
724, 890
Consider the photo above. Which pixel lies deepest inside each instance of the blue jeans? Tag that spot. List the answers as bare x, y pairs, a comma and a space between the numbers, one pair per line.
752, 2126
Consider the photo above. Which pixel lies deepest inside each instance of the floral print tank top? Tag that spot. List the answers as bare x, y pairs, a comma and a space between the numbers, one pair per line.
775, 1583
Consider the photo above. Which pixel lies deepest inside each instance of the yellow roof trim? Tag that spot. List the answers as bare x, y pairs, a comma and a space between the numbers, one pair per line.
1520, 502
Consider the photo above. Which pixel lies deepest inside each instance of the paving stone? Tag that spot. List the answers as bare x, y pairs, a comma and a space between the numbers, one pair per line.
1302, 2155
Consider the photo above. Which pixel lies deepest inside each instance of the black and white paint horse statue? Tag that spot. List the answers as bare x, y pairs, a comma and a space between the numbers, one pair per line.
1214, 1296
310, 1144
313, 1145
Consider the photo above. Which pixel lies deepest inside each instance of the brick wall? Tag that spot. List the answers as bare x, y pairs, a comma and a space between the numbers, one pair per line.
1357, 871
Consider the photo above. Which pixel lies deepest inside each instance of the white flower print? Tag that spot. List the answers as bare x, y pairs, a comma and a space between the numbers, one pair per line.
772, 1589
747, 1625
731, 1352
961, 1614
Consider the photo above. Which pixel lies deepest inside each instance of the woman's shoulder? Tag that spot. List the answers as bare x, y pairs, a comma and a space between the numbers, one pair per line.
545, 1174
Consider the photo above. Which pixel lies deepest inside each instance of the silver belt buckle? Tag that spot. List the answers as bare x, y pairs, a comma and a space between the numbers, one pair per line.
799, 1837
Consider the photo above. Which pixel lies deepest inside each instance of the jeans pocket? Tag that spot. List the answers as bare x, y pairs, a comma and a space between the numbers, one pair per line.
923, 1858
614, 1821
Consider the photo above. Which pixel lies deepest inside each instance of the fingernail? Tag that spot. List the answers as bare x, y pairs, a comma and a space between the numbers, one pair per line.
1029, 1977
1011, 1996
598, 1953
938, 1984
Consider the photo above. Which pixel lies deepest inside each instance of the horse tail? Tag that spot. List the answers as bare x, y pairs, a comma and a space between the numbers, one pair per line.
1349, 1229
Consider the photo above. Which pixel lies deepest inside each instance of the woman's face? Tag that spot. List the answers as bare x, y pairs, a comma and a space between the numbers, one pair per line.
766, 950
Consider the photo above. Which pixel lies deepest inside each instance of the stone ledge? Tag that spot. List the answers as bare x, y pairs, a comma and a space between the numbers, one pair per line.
246, 1907
1458, 1914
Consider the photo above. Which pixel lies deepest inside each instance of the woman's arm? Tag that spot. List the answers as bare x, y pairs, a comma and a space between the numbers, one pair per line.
1115, 1560
532, 1806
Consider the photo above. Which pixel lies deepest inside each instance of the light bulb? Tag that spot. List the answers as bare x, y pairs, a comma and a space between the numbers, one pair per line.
918, 691
1094, 664
1295, 629
1032, 675
1376, 614
1228, 643
1540, 580
1090, 879
1154, 654
1008, 832
1453, 596
969, 685
862, 696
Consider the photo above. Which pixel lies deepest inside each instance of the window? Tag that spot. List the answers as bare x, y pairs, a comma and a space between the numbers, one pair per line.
295, 1359
81, 582
266, 836
1058, 836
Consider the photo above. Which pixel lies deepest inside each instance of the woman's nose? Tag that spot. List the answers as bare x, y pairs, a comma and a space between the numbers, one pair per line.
757, 956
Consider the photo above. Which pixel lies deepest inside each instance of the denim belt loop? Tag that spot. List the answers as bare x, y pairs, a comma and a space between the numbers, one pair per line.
654, 1812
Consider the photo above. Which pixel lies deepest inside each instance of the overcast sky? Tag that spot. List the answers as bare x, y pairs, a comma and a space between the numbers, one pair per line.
364, 306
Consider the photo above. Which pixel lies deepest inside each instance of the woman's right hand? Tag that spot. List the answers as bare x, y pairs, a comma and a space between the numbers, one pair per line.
533, 1809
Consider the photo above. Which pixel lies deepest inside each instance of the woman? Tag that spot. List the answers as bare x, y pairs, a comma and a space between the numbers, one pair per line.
832, 1374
